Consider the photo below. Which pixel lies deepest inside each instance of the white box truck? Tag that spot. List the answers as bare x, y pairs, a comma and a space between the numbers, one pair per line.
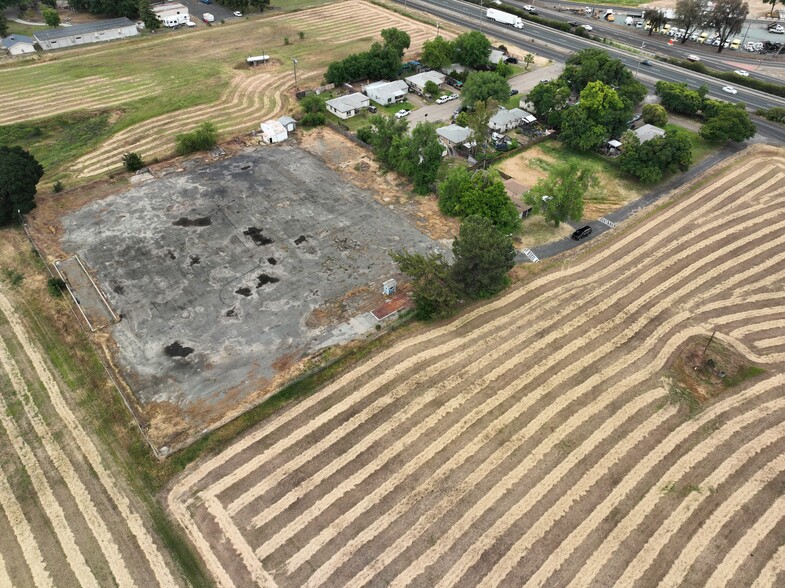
505, 18
207, 17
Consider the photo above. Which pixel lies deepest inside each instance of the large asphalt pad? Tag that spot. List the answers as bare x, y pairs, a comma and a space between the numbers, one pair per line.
215, 271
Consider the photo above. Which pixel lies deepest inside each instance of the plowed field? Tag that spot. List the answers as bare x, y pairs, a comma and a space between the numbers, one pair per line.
65, 518
532, 441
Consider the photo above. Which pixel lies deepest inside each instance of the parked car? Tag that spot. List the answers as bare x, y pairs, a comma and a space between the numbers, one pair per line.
454, 96
238, 14
442, 99
402, 113
371, 109
729, 89
574, 23
514, 91
502, 146
693, 57
776, 29
454, 83
581, 233
634, 119
512, 60
741, 72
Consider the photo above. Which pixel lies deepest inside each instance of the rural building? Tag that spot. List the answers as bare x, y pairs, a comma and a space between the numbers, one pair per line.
516, 190
19, 44
288, 123
82, 34
385, 92
417, 82
496, 56
648, 132
273, 131
348, 106
171, 13
453, 136
504, 119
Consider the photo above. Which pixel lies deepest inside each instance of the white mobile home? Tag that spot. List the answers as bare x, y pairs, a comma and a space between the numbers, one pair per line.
19, 44
385, 92
83, 34
171, 14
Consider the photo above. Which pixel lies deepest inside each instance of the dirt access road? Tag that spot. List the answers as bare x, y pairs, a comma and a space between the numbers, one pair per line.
532, 441
65, 518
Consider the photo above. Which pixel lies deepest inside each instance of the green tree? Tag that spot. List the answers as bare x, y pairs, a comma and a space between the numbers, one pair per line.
260, 4
655, 17
528, 59
132, 161
601, 114
559, 197
431, 89
51, 18
147, 16
481, 193
724, 121
773, 3
19, 176
596, 65
481, 85
457, 183
434, 290
477, 120
654, 114
3, 25
503, 69
420, 156
580, 132
727, 17
549, 100
677, 97
437, 53
472, 49
384, 131
691, 16
313, 103
648, 161
483, 257
397, 39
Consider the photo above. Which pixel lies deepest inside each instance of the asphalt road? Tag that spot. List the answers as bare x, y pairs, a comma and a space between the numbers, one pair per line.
558, 45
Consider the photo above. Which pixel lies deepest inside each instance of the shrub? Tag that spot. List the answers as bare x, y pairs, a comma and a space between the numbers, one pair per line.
55, 287
203, 138
286, 40
654, 114
313, 119
57, 187
301, 34
13, 277
132, 161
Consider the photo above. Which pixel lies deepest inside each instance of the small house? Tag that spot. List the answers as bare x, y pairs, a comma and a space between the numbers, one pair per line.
385, 92
273, 132
348, 106
504, 119
648, 132
83, 34
171, 14
19, 44
516, 190
417, 82
288, 123
453, 137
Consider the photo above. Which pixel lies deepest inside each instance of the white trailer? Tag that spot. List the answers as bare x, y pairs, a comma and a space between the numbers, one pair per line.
207, 17
505, 18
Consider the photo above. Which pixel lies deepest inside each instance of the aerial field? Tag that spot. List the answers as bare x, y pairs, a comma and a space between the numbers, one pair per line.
571, 432
66, 519
159, 86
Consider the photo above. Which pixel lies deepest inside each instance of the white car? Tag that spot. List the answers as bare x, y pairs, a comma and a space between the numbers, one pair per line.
693, 57
402, 113
741, 72
528, 7
587, 27
238, 14
454, 96
442, 99
729, 89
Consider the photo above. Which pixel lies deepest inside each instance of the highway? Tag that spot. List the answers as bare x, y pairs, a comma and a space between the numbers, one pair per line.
558, 45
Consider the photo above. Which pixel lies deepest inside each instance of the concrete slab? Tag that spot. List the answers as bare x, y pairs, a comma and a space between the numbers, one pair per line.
216, 271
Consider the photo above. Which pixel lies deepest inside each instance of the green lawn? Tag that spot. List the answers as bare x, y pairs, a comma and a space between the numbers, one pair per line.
701, 148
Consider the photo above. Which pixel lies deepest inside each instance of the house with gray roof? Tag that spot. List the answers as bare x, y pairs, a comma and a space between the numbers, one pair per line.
504, 119
453, 137
648, 132
385, 92
348, 106
417, 82
19, 44
83, 34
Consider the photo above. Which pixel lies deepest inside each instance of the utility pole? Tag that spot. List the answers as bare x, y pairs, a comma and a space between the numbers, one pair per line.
637, 67
294, 63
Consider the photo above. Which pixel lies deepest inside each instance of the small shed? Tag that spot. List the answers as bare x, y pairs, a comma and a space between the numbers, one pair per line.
348, 106
273, 132
389, 287
288, 123
648, 132
504, 119
19, 44
417, 82
516, 190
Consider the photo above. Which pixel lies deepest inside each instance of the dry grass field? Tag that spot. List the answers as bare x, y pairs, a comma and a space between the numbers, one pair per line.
157, 87
546, 438
66, 518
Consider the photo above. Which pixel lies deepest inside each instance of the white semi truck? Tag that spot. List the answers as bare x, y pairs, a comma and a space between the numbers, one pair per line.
505, 18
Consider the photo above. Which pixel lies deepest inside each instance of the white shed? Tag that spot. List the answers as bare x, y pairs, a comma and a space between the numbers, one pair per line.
273, 132
288, 123
348, 106
82, 34
19, 44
